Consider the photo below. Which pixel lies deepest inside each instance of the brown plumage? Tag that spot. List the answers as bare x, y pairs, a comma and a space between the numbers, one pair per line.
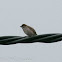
28, 30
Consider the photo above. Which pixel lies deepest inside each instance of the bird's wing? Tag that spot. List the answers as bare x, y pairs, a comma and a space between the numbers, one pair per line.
32, 30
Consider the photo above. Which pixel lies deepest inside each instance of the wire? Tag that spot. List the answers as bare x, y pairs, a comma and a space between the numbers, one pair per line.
44, 38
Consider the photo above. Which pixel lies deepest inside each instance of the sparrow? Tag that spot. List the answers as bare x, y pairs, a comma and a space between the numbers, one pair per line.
28, 30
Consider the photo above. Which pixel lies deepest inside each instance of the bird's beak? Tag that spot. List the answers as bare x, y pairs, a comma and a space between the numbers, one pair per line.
20, 26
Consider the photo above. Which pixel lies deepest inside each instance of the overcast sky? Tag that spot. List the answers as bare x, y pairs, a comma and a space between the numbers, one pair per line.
45, 16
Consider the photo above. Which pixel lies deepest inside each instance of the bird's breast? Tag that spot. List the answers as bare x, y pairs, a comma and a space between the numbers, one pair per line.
28, 31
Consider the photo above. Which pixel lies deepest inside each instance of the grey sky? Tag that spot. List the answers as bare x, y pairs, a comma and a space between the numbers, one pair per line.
43, 15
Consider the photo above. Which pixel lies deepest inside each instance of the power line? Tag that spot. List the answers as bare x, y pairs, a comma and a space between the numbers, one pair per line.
44, 38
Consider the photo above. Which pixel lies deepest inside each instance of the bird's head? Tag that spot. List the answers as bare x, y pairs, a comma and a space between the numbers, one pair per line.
23, 25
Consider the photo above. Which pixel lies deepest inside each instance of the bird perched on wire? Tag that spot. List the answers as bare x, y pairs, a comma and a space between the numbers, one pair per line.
28, 30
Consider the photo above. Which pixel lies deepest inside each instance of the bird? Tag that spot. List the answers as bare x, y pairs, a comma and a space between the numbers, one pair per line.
28, 30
